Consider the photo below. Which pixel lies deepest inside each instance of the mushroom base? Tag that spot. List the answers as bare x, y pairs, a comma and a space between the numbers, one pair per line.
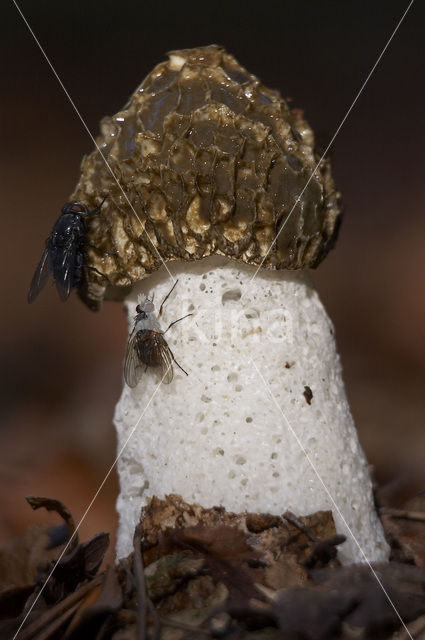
261, 423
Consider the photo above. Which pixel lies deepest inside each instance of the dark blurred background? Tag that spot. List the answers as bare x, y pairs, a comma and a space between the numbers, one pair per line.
62, 364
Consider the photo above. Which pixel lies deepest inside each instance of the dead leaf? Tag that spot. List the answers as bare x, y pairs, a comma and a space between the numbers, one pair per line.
73, 568
311, 614
225, 550
13, 599
259, 522
97, 608
164, 576
218, 574
226, 543
286, 571
373, 611
56, 505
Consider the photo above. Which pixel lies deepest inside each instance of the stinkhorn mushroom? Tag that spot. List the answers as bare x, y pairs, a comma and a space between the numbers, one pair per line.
215, 184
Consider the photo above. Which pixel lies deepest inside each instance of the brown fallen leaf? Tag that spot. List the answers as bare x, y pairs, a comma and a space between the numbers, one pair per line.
13, 599
224, 542
56, 505
405, 530
211, 574
323, 550
42, 618
401, 585
225, 550
259, 522
164, 576
97, 609
286, 571
311, 614
198, 594
81, 564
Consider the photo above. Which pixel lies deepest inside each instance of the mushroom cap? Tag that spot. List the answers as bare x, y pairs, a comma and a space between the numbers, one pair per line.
212, 162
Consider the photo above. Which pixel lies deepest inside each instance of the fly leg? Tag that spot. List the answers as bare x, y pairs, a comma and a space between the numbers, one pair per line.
97, 210
93, 213
174, 360
175, 321
87, 266
166, 298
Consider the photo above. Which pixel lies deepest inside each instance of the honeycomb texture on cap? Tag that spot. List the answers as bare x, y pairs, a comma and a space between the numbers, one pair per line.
212, 162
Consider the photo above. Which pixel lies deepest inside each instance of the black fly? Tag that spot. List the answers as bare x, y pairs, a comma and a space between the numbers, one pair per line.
147, 346
64, 255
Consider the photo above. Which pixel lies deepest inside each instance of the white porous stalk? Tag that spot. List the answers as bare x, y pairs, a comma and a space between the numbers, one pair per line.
216, 437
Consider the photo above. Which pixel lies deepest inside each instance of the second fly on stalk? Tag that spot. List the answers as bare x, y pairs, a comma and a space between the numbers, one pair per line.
147, 346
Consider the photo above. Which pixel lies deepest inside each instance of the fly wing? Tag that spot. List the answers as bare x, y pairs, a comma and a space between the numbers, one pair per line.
63, 270
40, 276
133, 369
166, 361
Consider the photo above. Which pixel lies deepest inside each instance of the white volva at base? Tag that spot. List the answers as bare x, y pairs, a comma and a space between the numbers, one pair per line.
215, 436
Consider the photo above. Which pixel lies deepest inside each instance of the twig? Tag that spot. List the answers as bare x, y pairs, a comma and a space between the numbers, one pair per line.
48, 631
156, 620
51, 614
139, 574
